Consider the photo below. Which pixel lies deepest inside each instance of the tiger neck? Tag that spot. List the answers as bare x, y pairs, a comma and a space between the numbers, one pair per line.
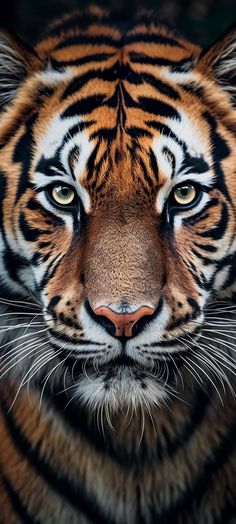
129, 438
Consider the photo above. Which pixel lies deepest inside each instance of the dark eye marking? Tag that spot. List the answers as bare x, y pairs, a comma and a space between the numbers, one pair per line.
195, 164
53, 303
49, 166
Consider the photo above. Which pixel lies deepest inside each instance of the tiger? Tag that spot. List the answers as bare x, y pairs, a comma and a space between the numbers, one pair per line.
117, 269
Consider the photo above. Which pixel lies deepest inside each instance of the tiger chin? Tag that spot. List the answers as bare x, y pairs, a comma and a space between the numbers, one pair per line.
117, 273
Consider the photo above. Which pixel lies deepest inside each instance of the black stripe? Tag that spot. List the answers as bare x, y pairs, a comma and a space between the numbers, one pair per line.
219, 228
121, 72
191, 495
202, 215
45, 165
14, 263
158, 107
17, 124
194, 89
137, 132
64, 338
104, 133
91, 164
206, 261
153, 164
196, 416
49, 217
29, 232
81, 39
57, 480
231, 277
152, 38
96, 57
141, 58
107, 74
17, 505
195, 164
164, 88
220, 151
206, 247
83, 106
166, 131
53, 303
51, 270
22, 155
146, 174
3, 193
77, 418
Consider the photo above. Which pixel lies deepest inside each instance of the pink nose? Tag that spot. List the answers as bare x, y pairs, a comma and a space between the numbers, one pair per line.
124, 323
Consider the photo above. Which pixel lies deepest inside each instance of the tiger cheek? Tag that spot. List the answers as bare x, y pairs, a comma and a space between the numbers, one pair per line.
66, 281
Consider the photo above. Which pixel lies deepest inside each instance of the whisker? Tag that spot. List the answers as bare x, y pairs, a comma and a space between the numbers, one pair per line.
207, 376
26, 352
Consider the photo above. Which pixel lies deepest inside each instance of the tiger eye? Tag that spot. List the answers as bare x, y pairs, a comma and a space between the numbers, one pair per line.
185, 194
63, 195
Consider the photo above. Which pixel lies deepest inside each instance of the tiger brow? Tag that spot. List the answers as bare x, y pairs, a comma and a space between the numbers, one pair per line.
196, 164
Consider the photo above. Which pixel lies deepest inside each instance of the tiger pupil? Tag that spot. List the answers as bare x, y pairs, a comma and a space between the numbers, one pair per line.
184, 191
65, 191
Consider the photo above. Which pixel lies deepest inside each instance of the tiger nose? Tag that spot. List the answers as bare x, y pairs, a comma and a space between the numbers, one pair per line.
123, 322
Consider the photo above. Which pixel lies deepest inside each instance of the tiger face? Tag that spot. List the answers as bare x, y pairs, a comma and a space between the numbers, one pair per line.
118, 196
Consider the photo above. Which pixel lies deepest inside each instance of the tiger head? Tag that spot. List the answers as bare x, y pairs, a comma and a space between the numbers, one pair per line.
118, 192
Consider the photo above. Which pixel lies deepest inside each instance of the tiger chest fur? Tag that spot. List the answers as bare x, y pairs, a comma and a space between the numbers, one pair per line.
117, 273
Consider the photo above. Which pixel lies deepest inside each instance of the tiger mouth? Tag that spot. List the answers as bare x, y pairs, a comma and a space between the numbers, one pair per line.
162, 367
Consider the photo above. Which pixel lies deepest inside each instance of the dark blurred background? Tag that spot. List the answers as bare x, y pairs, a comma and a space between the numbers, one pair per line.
201, 20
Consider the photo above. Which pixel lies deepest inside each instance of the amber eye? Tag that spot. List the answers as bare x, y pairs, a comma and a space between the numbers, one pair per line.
63, 195
185, 194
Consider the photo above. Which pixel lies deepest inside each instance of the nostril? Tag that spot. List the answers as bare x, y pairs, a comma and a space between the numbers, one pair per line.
102, 320
107, 324
123, 325
124, 322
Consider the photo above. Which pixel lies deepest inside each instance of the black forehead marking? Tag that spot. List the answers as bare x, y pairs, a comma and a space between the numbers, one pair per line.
195, 164
220, 150
171, 159
119, 71
22, 155
48, 166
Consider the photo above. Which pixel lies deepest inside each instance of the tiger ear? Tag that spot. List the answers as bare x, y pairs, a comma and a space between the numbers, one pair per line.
220, 60
17, 61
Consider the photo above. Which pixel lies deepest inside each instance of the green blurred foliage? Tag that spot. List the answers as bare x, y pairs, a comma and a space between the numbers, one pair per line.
200, 20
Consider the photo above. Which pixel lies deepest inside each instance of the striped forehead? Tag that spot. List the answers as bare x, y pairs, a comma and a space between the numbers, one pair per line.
180, 148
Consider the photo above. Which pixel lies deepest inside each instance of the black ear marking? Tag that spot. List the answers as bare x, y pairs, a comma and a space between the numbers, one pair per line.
17, 61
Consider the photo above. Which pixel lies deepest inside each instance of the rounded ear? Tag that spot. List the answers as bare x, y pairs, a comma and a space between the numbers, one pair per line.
17, 61
219, 59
